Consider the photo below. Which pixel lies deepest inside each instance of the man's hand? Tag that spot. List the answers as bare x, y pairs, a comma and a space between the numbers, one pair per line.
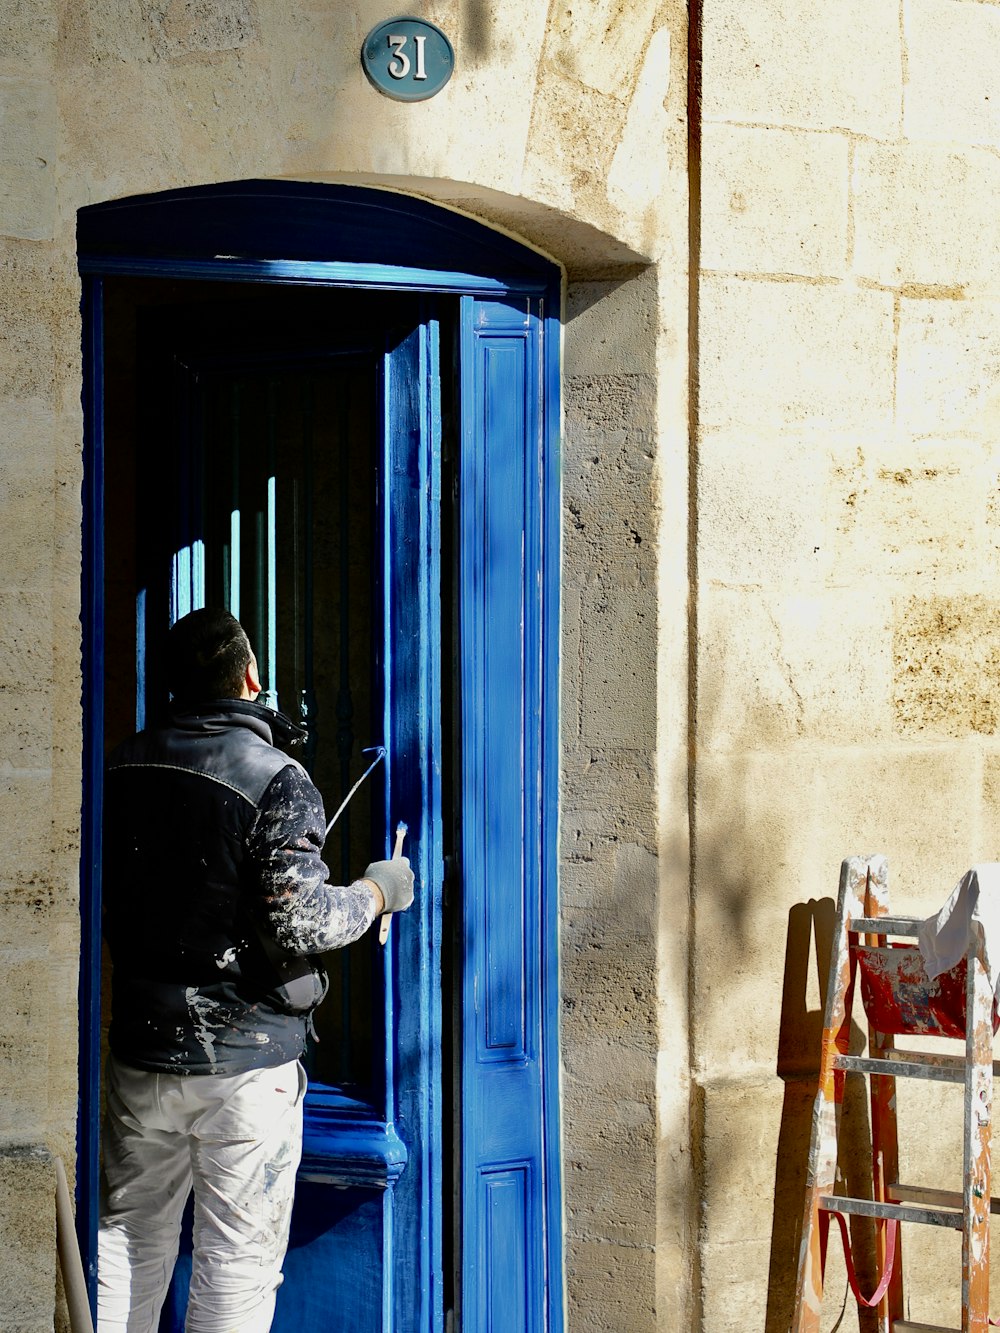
394, 880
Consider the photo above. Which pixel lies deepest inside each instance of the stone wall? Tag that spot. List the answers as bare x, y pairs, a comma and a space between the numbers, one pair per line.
566, 127
844, 496
846, 499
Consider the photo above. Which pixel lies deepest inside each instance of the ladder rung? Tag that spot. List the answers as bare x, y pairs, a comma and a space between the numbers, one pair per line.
906, 1064
935, 1217
925, 1194
887, 925
905, 1326
910, 1064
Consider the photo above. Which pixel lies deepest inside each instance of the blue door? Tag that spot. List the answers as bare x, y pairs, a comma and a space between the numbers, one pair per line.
291, 460
509, 1162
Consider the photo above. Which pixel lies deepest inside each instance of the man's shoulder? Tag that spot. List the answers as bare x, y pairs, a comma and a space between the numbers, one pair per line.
237, 757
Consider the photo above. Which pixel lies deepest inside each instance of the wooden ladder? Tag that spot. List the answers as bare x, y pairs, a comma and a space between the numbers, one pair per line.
898, 998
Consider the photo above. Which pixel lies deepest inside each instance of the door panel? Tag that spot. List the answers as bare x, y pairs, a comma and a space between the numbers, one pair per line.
503, 1150
411, 669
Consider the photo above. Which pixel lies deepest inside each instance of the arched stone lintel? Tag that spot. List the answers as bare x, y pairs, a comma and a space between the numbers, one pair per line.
583, 250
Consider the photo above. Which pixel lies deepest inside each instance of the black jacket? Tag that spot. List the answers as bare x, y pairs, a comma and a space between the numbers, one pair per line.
215, 893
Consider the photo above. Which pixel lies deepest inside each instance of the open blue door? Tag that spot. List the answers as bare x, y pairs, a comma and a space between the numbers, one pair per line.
382, 1218
511, 1221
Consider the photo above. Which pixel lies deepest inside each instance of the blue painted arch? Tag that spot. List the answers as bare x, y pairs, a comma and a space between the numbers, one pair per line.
292, 221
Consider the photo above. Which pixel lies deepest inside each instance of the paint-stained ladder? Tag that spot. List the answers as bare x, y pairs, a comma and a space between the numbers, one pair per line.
898, 998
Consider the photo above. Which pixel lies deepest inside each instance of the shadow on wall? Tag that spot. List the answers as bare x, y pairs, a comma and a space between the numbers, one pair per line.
810, 939
476, 22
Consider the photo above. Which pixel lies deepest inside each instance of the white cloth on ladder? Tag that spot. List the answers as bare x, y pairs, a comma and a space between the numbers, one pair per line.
972, 910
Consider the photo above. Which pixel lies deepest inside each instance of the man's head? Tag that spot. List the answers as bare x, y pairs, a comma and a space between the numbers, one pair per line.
209, 657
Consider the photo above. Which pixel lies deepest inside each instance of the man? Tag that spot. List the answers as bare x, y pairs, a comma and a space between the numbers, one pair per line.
216, 901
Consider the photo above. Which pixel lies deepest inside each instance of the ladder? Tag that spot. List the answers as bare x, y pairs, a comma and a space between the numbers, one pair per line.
898, 999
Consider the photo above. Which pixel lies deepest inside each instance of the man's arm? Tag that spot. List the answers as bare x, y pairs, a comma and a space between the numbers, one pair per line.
297, 907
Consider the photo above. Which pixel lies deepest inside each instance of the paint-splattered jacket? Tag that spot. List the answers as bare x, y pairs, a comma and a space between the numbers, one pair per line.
216, 894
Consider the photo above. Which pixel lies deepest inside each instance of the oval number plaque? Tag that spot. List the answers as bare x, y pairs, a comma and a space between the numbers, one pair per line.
408, 59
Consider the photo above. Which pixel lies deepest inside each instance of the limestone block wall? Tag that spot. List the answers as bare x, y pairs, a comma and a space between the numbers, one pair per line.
846, 497
567, 127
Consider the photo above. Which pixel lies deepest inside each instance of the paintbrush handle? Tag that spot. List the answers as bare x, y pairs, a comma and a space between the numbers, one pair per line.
397, 852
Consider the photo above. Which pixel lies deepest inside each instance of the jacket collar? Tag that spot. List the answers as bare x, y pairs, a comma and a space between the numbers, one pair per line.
217, 715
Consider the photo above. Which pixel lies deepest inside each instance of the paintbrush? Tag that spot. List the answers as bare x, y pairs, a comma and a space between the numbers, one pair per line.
397, 852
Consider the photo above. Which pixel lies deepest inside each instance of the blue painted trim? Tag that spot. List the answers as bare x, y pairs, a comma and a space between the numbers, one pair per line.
294, 220
379, 277
345, 1142
551, 639
92, 615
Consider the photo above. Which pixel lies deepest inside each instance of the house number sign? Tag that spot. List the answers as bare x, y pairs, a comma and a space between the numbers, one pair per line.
408, 59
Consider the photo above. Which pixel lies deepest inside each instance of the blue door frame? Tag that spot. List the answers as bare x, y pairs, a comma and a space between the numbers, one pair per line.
507, 785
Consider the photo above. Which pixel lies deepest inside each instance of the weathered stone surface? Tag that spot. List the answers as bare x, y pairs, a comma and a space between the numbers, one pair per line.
952, 53
28, 128
917, 804
557, 169
912, 510
25, 728
915, 208
774, 201
757, 817
27, 1206
25, 638
187, 27
739, 1125
610, 1286
39, 320
27, 494
817, 668
804, 64
794, 353
30, 31
609, 968
948, 375
637, 178
602, 319
25, 862
617, 639
601, 45
610, 1137
946, 660
762, 525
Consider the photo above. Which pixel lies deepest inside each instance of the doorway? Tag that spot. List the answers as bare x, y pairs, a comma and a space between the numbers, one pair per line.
360, 461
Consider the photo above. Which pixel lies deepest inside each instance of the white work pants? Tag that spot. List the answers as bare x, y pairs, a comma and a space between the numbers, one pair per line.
237, 1141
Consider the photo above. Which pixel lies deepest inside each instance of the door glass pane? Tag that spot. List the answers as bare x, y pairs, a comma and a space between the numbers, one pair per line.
287, 471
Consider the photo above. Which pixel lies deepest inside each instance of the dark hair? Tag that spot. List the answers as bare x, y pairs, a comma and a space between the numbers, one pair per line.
208, 654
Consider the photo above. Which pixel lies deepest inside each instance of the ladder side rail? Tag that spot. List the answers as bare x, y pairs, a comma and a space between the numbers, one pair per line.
882, 1093
822, 1167
977, 1143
